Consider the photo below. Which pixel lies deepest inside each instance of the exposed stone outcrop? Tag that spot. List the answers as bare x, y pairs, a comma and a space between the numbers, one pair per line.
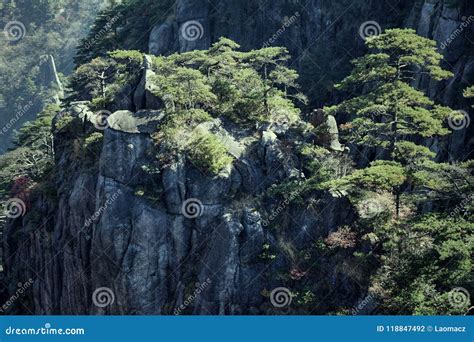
49, 78
327, 129
162, 39
452, 27
143, 97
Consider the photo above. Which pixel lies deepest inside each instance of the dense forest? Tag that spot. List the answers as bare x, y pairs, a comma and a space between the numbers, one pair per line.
237, 157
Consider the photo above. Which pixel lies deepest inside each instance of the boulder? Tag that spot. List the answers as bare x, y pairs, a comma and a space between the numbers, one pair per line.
143, 97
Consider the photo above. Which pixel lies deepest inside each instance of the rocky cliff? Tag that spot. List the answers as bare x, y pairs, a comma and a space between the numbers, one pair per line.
150, 238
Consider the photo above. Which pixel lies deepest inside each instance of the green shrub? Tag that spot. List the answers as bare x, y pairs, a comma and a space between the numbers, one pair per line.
127, 56
207, 151
94, 142
67, 123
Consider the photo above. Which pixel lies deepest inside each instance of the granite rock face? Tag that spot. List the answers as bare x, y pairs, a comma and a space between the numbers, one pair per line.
142, 240
49, 78
128, 237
